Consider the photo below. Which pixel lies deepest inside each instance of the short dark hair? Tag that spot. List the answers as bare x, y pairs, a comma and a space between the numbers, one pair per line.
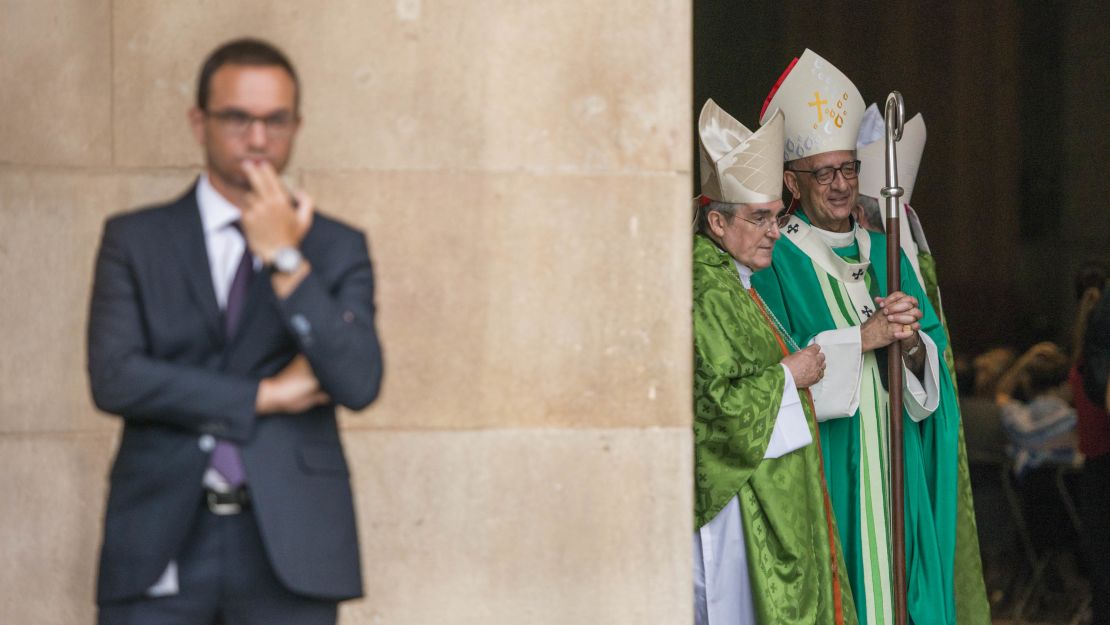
1047, 371
247, 51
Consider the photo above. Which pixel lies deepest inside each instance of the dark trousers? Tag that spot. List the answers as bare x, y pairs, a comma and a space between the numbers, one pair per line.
225, 578
1095, 514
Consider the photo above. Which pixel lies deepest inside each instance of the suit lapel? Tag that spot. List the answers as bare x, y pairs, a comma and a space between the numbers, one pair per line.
187, 235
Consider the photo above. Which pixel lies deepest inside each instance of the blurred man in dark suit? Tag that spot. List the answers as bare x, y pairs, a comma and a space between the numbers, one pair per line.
225, 326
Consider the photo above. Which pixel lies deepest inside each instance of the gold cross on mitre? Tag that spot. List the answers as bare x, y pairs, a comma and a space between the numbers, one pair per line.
818, 102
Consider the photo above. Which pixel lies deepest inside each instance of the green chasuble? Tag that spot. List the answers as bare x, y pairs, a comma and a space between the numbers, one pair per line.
792, 547
808, 300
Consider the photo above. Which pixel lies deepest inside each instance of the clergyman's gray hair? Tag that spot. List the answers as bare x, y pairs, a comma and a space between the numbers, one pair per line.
701, 214
871, 210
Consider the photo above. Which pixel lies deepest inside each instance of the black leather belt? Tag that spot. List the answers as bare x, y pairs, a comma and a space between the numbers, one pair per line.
232, 502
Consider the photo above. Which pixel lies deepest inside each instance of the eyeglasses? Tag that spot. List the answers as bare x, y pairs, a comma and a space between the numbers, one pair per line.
765, 222
825, 175
237, 123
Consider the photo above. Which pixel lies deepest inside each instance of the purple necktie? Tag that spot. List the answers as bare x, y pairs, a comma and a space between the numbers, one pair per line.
225, 457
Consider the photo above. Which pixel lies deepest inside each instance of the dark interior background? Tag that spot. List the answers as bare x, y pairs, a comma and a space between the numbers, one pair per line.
1015, 177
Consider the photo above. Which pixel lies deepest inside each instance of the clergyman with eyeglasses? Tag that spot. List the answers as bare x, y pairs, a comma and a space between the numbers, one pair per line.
225, 327
765, 547
827, 285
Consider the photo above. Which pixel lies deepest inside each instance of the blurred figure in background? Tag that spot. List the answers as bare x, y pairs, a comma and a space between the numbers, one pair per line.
225, 328
1088, 378
1040, 424
986, 441
1039, 421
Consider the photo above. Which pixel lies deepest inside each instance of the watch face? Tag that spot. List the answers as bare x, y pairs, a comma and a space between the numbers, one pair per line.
287, 260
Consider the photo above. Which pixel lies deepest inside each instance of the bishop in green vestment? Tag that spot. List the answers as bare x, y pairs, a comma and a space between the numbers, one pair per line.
827, 285
766, 548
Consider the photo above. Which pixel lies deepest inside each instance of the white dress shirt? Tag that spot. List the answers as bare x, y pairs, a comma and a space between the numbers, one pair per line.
225, 244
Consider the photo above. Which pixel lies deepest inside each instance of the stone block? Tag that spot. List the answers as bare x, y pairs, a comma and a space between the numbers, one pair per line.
55, 68
533, 526
54, 491
52, 221
554, 85
525, 300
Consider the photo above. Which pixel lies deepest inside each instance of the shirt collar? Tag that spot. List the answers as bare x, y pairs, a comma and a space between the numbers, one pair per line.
832, 239
745, 273
837, 239
216, 212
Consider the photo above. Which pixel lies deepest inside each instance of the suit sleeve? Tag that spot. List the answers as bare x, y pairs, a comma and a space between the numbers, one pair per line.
124, 378
334, 327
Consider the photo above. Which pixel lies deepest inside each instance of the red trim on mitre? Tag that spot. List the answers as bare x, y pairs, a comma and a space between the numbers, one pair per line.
704, 200
775, 89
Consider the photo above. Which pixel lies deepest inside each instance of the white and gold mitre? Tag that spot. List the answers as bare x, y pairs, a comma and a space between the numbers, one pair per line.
737, 165
871, 151
823, 108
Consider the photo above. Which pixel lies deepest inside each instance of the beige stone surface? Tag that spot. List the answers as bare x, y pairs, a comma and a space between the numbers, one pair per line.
54, 490
567, 85
519, 299
51, 220
524, 318
538, 526
55, 82
522, 169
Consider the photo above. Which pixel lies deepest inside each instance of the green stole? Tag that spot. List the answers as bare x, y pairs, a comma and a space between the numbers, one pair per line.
808, 300
738, 385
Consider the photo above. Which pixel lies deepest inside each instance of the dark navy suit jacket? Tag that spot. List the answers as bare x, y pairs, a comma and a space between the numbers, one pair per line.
158, 358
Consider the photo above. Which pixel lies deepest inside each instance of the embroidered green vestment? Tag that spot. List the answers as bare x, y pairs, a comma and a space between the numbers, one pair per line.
808, 300
792, 545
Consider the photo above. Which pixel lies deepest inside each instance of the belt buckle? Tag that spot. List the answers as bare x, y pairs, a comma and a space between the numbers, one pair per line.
222, 509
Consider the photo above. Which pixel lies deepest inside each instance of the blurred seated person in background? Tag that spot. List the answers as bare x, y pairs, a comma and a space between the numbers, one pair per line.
986, 457
978, 380
1040, 426
990, 366
1036, 414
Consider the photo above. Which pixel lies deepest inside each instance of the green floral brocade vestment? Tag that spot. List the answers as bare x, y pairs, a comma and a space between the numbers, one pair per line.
793, 548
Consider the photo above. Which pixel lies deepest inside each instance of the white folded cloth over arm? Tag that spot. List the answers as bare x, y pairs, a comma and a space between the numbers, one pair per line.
791, 429
837, 394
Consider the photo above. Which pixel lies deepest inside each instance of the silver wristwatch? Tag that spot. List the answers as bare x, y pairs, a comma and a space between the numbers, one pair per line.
287, 260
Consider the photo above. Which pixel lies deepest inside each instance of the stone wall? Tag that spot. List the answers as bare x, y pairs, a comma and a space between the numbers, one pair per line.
522, 170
